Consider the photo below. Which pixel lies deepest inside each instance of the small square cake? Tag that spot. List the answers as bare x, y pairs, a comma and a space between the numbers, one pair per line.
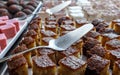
3, 41
17, 65
43, 65
112, 44
80, 22
48, 33
69, 51
98, 50
108, 36
93, 34
51, 27
47, 51
9, 30
71, 65
116, 68
27, 55
34, 35
89, 44
113, 56
112, 24
97, 65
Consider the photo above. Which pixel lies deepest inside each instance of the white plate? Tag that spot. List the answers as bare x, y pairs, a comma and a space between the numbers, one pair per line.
23, 25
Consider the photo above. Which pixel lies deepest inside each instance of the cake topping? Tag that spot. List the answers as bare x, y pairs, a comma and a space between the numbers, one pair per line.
98, 50
114, 43
68, 27
115, 53
97, 63
111, 35
20, 48
72, 62
48, 33
69, 51
16, 62
43, 61
43, 51
28, 40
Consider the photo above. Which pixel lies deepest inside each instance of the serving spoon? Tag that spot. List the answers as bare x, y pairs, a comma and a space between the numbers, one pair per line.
60, 44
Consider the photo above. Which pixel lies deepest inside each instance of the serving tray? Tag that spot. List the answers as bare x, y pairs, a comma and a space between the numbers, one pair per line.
23, 25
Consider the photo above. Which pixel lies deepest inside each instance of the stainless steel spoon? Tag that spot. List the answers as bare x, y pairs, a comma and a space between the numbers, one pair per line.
60, 44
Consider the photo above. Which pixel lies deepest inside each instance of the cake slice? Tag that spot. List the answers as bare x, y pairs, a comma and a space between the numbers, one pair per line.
42, 65
17, 65
97, 65
112, 44
72, 65
47, 51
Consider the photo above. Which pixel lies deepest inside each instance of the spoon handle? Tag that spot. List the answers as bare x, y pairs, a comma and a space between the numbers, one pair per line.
25, 51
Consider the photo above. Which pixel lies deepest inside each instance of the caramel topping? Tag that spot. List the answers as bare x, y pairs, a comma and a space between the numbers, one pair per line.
69, 51
16, 62
93, 34
34, 26
111, 35
48, 33
115, 53
51, 18
28, 40
43, 51
68, 22
50, 26
72, 62
43, 61
31, 33
51, 22
20, 48
97, 21
97, 63
98, 50
114, 43
68, 27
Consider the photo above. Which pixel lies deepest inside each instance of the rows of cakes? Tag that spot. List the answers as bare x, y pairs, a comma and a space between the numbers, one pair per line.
88, 9
100, 46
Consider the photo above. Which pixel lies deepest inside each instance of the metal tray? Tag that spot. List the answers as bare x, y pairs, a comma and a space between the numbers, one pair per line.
23, 25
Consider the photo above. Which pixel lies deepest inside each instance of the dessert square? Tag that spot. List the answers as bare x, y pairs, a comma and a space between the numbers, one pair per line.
43, 65
72, 65
69, 51
112, 44
97, 65
17, 65
47, 51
